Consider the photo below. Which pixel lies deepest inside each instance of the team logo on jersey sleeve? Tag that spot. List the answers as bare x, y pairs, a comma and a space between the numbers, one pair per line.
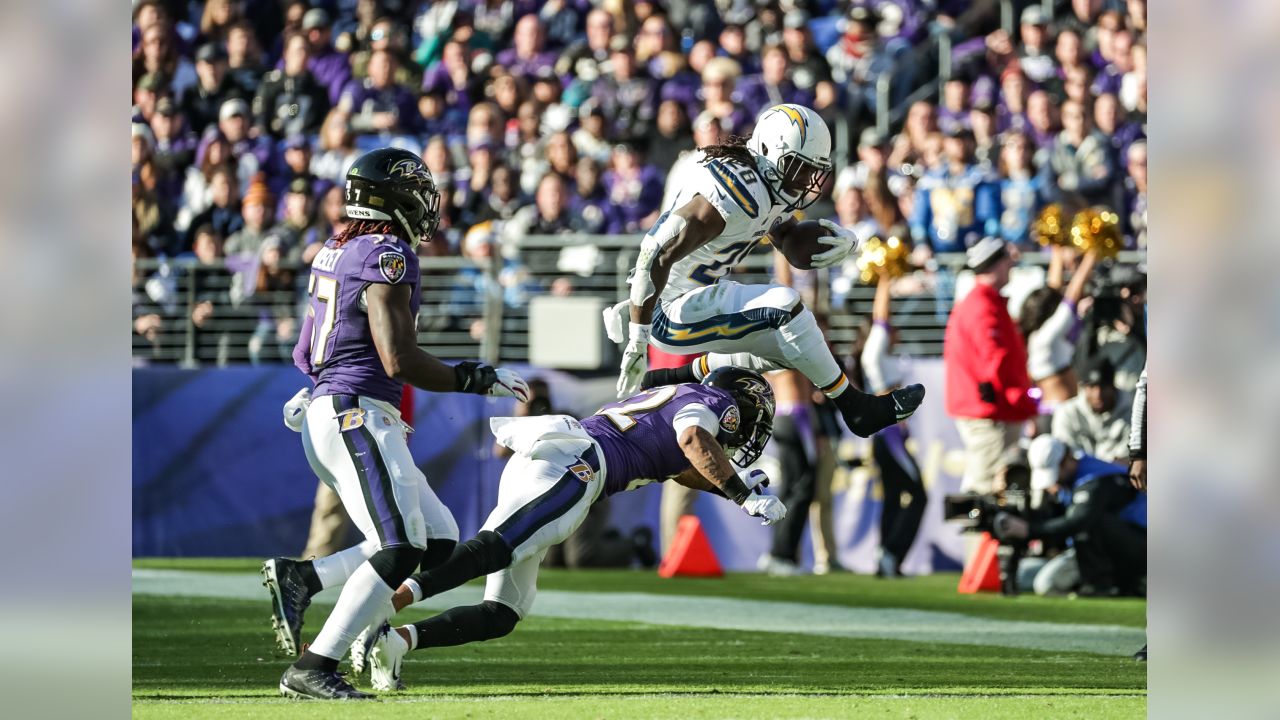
392, 265
731, 419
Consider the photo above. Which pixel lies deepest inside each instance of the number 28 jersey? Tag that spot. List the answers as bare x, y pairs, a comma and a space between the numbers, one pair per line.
340, 345
640, 436
740, 195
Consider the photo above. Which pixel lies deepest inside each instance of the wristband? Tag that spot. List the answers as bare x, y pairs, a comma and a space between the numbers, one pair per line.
638, 333
472, 377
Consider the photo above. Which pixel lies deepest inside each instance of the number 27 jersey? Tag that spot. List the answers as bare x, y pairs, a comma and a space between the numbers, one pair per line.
740, 195
340, 345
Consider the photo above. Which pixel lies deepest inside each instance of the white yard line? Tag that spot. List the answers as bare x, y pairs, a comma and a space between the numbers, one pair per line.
721, 613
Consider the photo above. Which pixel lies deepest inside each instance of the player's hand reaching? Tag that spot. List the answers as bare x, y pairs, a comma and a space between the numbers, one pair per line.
1138, 473
765, 506
842, 241
296, 409
480, 379
635, 360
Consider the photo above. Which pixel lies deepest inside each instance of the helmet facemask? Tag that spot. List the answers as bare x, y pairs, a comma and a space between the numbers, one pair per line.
800, 179
753, 444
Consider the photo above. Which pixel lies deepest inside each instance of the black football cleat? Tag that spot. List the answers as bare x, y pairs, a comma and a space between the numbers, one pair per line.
1141, 655
319, 685
289, 600
906, 400
866, 415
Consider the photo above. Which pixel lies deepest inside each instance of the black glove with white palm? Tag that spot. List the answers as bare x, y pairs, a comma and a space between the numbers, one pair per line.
478, 379
842, 242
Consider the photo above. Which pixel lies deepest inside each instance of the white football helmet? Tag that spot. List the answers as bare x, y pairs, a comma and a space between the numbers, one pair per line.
794, 147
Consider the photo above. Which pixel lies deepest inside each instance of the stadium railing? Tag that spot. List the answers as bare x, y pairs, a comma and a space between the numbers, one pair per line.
474, 309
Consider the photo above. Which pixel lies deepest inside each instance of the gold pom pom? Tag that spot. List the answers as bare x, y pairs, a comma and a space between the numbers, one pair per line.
1097, 229
889, 257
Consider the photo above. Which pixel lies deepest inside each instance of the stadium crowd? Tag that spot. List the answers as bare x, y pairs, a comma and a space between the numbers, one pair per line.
568, 116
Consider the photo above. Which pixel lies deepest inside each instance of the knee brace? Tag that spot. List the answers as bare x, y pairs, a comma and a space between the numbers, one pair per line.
438, 550
395, 564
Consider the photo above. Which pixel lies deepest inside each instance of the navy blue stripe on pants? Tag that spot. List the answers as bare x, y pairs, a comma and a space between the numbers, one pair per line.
376, 483
547, 507
743, 323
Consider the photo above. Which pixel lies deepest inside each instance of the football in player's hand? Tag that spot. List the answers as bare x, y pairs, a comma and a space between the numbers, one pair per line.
801, 244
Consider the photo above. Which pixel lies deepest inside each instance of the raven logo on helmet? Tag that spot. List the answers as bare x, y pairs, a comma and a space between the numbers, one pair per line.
407, 168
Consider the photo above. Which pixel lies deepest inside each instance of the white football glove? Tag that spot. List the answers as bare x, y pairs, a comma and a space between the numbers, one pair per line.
765, 506
756, 480
635, 360
296, 409
509, 384
842, 241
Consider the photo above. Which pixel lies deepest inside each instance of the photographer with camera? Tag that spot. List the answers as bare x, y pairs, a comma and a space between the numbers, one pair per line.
1104, 518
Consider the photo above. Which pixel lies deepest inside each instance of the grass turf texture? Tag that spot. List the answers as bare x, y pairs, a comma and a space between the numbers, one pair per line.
196, 658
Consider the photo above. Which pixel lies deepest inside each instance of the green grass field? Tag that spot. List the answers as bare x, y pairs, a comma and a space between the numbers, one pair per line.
212, 656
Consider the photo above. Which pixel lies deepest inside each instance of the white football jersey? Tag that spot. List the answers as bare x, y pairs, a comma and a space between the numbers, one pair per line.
749, 211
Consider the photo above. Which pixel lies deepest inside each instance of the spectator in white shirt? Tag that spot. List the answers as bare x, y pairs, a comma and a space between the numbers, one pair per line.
1096, 422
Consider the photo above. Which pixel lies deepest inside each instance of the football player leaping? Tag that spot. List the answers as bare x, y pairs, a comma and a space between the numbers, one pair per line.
742, 191
559, 468
359, 343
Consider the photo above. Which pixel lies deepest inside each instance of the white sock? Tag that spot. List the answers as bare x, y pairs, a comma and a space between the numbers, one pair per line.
333, 570
413, 636
415, 588
365, 601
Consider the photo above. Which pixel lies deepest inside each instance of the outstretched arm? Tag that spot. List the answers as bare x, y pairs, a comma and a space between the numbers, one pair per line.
710, 461
1075, 288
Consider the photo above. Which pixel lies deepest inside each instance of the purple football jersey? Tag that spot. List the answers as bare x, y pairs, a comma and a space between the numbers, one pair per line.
340, 345
639, 438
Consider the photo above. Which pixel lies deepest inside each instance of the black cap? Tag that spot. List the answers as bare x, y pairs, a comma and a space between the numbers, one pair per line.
210, 52
1099, 371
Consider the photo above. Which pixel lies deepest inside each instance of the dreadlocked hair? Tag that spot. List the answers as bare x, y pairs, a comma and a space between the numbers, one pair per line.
356, 228
733, 148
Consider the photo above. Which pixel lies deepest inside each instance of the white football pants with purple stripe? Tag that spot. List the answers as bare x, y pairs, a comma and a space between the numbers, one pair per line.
542, 498
357, 446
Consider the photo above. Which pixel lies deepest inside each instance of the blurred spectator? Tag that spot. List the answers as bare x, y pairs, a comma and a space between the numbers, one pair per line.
635, 188
471, 285
214, 86
244, 56
672, 137
290, 101
153, 218
275, 301
1050, 325
293, 164
1033, 52
986, 144
377, 104
959, 202
1042, 125
592, 136
337, 148
294, 228
1133, 86
1096, 421
392, 38
733, 45
807, 66
452, 78
175, 148
159, 55
590, 203
773, 85
583, 60
255, 209
954, 112
861, 56
1135, 205
146, 93
899, 474
1119, 133
1011, 112
249, 154
434, 118
627, 94
986, 368
1022, 191
501, 202
548, 215
719, 79
222, 206
485, 125
528, 54
328, 66
560, 157
211, 288
217, 19
526, 144
1080, 161
793, 443
909, 145
706, 132
653, 40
